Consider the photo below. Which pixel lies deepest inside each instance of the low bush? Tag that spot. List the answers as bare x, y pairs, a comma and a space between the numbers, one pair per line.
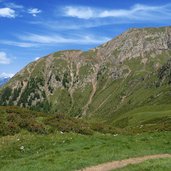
67, 124
13, 119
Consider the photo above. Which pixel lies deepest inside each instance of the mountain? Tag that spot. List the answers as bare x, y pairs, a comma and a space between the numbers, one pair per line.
4, 80
132, 71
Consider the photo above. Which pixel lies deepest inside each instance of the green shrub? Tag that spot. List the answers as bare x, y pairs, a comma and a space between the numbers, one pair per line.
13, 119
67, 124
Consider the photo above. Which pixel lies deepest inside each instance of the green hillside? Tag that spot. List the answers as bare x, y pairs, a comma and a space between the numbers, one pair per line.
124, 83
128, 72
72, 109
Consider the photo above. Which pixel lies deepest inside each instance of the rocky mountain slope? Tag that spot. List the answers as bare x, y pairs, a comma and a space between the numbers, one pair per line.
130, 71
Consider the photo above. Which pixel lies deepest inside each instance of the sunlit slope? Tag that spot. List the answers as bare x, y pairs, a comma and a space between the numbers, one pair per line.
128, 72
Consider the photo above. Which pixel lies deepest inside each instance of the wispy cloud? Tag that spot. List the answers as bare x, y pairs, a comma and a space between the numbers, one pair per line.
14, 5
4, 58
18, 43
89, 17
34, 11
7, 12
73, 25
58, 39
35, 40
137, 12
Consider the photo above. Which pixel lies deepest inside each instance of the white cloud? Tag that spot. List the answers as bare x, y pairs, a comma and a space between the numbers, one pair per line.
34, 11
73, 25
80, 12
6, 75
13, 5
138, 11
7, 12
36, 40
57, 39
88, 17
3, 58
18, 43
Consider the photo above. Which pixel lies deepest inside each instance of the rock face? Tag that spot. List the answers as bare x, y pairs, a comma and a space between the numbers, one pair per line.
113, 78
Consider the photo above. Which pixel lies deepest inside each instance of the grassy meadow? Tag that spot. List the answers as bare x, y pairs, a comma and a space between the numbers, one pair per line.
70, 151
32, 140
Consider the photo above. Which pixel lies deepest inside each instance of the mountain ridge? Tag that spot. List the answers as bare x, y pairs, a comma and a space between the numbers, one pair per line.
102, 82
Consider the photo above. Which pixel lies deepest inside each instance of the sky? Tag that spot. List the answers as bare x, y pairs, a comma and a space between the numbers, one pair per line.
32, 29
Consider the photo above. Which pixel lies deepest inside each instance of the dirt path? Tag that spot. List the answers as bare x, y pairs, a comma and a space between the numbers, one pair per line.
122, 163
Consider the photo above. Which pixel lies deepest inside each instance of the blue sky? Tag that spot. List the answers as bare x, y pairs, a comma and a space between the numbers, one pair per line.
34, 28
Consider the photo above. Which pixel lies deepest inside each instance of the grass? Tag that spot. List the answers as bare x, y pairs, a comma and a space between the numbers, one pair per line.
138, 89
150, 165
70, 151
81, 96
146, 116
135, 104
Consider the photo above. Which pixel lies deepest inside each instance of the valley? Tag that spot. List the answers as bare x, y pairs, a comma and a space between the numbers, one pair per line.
75, 109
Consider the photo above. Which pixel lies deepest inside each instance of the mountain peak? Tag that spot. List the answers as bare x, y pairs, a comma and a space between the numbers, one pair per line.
137, 42
99, 81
